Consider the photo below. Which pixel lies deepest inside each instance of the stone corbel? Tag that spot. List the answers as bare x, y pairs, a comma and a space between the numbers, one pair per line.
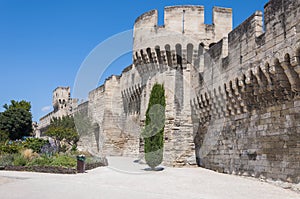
292, 76
154, 57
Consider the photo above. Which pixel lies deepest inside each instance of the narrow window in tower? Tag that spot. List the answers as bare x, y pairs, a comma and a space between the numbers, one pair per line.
183, 13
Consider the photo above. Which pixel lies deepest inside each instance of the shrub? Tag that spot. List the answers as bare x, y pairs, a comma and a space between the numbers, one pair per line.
6, 160
74, 149
29, 154
48, 149
63, 160
35, 144
63, 148
43, 160
19, 160
10, 147
92, 160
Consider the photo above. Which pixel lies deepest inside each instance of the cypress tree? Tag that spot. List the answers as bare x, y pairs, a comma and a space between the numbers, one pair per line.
153, 132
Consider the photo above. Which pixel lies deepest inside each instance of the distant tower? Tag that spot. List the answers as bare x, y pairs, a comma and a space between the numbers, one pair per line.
62, 102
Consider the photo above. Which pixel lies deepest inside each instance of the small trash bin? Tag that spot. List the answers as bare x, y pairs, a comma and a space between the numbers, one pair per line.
80, 163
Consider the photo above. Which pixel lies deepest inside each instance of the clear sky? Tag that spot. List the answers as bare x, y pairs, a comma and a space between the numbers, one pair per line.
44, 42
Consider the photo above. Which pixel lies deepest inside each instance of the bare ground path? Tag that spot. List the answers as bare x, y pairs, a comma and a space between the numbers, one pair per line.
127, 180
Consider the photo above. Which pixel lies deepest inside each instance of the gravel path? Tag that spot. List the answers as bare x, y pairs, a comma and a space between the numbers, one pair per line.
128, 180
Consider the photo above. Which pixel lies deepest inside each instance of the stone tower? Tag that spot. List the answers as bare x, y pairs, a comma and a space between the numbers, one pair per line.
62, 102
170, 55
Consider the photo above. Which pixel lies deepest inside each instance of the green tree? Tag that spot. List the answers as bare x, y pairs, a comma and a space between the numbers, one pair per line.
4, 136
63, 129
153, 132
16, 120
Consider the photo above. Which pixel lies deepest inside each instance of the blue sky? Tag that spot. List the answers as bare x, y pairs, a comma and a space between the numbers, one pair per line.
44, 42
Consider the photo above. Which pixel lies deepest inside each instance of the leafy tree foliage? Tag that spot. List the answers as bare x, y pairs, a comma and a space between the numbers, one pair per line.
63, 129
16, 120
153, 132
65, 121
15, 104
4, 136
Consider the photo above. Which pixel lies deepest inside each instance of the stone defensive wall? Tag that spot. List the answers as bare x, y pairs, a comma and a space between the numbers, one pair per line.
245, 87
106, 108
246, 113
232, 96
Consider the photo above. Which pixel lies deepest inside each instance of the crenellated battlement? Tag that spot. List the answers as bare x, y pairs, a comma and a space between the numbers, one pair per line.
181, 23
149, 18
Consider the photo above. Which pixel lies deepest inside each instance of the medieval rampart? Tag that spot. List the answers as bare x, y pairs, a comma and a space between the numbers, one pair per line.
232, 96
248, 108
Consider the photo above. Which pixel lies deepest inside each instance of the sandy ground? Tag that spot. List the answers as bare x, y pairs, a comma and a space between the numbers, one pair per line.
128, 180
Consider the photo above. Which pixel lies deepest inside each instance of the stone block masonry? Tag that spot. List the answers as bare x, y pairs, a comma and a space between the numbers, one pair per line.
232, 96
260, 143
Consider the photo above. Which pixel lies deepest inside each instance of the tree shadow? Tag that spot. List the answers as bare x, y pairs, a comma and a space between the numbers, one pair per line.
155, 169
